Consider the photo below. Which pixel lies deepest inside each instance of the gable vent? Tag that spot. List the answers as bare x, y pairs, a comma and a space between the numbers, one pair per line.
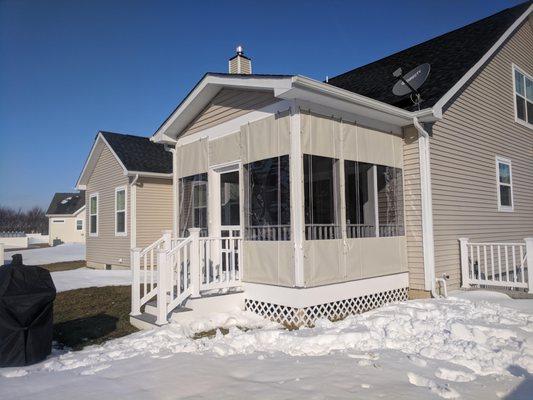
239, 63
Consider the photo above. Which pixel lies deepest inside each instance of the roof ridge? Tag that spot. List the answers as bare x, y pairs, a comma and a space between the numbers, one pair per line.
123, 134
434, 38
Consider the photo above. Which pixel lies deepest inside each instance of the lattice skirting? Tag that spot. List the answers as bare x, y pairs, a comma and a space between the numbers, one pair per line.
293, 316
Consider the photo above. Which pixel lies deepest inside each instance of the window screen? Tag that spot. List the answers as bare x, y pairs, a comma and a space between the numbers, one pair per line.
193, 204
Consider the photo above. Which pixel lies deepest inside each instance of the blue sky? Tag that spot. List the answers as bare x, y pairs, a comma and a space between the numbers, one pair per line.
69, 68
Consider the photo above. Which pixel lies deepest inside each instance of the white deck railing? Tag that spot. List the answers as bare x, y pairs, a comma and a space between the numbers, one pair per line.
173, 269
497, 264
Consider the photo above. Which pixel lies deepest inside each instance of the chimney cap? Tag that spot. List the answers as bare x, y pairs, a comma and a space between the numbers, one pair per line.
239, 50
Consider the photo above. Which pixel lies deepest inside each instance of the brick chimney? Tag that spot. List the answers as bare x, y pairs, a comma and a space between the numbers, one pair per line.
239, 63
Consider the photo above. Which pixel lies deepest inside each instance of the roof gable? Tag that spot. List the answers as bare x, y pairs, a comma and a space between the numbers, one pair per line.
451, 56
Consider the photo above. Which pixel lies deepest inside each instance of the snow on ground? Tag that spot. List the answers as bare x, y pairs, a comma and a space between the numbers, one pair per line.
467, 346
86, 277
49, 255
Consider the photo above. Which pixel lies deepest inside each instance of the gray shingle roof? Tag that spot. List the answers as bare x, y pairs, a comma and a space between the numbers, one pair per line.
451, 55
66, 203
138, 153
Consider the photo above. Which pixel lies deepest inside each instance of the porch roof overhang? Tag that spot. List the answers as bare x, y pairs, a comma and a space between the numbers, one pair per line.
284, 87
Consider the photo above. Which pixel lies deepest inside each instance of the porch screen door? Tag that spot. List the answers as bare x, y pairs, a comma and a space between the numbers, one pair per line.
230, 220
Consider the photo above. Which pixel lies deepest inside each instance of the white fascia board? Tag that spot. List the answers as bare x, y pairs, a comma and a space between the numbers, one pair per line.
202, 94
149, 174
455, 88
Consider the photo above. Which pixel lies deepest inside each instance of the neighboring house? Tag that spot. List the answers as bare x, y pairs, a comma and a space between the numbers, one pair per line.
319, 199
128, 188
66, 218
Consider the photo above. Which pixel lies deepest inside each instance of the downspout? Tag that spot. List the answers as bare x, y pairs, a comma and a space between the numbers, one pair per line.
427, 208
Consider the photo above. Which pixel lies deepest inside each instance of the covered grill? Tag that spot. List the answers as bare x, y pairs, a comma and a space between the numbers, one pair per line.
27, 296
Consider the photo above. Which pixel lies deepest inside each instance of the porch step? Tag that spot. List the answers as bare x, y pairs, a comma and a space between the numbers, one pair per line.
143, 321
193, 309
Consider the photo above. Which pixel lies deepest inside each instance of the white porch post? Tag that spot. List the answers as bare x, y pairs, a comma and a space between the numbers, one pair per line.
529, 263
465, 277
195, 262
135, 281
162, 268
297, 195
2, 254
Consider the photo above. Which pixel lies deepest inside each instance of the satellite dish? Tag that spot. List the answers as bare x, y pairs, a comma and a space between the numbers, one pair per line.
411, 81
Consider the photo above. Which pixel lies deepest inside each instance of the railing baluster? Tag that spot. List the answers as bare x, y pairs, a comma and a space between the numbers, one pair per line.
492, 260
514, 263
485, 262
478, 262
506, 264
500, 262
522, 264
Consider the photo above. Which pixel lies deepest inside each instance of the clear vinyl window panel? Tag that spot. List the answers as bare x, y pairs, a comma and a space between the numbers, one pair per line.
267, 199
390, 201
360, 199
321, 198
193, 204
229, 199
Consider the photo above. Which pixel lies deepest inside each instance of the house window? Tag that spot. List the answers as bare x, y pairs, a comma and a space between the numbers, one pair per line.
321, 197
267, 199
93, 215
505, 184
193, 204
523, 88
360, 199
58, 221
120, 211
390, 201
79, 224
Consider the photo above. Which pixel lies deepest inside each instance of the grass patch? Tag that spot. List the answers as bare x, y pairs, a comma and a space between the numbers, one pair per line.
94, 315
64, 266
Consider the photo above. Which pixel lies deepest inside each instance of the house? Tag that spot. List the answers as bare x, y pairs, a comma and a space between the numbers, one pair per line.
128, 188
299, 199
66, 218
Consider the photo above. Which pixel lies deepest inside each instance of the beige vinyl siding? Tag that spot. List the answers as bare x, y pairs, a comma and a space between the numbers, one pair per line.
66, 231
478, 126
229, 104
154, 209
106, 248
413, 209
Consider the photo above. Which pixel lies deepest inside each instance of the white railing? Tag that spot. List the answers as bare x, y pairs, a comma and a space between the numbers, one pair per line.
174, 269
220, 262
360, 230
268, 232
497, 264
322, 231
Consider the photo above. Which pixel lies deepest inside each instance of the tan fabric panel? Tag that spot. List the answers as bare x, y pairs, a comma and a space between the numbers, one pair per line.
154, 209
383, 256
478, 126
193, 158
106, 248
320, 135
268, 262
353, 259
266, 138
324, 262
225, 149
379, 148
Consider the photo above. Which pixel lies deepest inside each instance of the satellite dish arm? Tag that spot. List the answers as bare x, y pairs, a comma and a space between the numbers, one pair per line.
408, 85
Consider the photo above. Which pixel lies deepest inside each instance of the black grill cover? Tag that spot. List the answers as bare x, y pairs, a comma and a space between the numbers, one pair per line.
27, 296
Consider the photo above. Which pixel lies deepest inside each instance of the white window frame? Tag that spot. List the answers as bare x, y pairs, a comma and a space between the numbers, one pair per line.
503, 160
80, 229
97, 196
119, 189
517, 120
